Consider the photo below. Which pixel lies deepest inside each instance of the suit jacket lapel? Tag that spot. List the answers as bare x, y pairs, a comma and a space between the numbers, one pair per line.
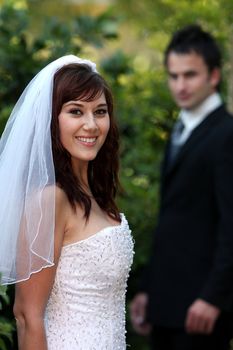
196, 136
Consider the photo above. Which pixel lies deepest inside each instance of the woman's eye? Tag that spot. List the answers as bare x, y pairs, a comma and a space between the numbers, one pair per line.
75, 111
101, 112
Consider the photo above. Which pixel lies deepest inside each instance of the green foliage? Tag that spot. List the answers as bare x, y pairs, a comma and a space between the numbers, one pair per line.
22, 54
6, 326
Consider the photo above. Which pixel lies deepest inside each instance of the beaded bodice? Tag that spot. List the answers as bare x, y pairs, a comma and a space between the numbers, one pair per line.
86, 308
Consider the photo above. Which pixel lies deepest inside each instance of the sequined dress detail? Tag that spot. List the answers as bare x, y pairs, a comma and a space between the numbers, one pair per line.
86, 308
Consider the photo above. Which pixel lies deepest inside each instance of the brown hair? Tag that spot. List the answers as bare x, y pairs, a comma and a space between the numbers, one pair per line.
78, 81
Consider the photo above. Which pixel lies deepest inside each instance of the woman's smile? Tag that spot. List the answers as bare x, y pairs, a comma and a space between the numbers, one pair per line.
86, 141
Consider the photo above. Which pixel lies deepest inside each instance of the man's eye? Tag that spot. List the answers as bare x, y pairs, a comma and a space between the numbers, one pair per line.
191, 74
75, 111
172, 76
101, 111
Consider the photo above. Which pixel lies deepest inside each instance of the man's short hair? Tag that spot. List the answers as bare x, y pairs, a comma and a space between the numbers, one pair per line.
193, 38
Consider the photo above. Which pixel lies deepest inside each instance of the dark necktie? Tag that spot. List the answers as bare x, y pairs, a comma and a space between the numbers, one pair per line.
175, 144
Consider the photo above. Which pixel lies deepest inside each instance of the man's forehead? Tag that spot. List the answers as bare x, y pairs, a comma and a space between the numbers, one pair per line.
185, 61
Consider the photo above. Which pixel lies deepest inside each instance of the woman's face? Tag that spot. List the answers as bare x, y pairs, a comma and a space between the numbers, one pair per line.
84, 126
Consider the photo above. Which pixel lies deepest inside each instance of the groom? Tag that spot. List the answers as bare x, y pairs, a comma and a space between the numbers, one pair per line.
186, 298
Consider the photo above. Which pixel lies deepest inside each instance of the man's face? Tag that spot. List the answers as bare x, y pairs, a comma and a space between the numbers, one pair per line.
189, 79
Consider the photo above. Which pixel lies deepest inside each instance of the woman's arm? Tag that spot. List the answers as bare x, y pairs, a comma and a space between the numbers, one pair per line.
31, 296
30, 302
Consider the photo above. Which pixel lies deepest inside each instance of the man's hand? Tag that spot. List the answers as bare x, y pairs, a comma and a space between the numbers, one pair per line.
138, 314
201, 317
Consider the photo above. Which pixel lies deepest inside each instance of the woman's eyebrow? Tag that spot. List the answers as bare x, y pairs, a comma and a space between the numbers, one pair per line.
73, 103
79, 104
102, 105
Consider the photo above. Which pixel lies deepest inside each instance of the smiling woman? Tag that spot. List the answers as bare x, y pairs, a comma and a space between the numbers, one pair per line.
83, 107
84, 126
63, 213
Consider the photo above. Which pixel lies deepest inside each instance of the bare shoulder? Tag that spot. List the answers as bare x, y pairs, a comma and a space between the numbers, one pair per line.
62, 207
60, 195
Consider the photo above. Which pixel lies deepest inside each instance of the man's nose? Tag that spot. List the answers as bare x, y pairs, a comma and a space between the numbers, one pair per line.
180, 83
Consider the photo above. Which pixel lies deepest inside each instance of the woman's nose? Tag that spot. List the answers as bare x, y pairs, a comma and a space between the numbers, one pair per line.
90, 122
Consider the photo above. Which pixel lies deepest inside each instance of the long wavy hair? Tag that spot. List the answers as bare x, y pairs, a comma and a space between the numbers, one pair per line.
78, 81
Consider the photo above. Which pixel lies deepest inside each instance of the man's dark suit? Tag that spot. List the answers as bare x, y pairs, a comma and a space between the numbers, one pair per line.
193, 244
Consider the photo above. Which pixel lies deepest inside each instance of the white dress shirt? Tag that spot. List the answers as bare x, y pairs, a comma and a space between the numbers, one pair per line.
192, 118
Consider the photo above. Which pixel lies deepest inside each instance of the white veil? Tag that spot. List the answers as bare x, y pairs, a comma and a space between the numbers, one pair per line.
27, 180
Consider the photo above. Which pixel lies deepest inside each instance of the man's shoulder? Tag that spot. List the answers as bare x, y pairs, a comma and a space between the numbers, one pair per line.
222, 133
221, 110
225, 117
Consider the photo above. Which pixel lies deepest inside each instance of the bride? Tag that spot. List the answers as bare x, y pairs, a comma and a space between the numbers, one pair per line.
64, 242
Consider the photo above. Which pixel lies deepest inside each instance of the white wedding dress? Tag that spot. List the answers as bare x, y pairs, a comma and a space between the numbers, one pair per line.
86, 308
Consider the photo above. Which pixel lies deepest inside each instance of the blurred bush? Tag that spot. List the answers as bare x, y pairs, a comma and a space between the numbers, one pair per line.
6, 324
